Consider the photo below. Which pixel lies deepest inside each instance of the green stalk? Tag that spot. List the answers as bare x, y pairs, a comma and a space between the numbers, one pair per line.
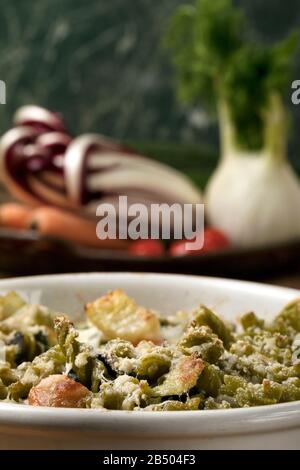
230, 148
275, 133
276, 130
227, 132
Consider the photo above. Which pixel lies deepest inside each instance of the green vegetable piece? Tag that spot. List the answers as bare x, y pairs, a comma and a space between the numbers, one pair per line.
51, 362
153, 365
24, 347
200, 340
7, 374
273, 346
288, 321
257, 367
124, 393
183, 376
267, 393
146, 361
173, 405
210, 380
99, 374
250, 320
231, 384
242, 348
256, 395
206, 317
28, 316
3, 391
212, 404
80, 358
118, 355
290, 390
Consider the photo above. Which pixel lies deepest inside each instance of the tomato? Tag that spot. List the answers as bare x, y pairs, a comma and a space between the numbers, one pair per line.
147, 248
179, 248
213, 240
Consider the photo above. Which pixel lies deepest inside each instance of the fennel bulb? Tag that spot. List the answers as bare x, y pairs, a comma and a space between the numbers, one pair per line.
254, 197
254, 201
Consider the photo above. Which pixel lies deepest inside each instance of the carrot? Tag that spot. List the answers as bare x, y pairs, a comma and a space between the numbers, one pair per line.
14, 215
66, 226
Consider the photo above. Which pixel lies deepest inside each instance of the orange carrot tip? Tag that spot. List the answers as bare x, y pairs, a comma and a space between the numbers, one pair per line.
14, 215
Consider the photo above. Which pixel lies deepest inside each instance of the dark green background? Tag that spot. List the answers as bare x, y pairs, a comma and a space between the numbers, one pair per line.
101, 64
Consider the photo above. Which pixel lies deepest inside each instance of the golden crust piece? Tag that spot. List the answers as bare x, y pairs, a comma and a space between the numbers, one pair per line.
60, 392
118, 316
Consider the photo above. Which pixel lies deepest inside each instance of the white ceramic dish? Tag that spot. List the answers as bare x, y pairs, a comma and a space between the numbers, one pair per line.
269, 427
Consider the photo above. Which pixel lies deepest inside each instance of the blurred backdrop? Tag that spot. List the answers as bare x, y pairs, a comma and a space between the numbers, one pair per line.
101, 64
